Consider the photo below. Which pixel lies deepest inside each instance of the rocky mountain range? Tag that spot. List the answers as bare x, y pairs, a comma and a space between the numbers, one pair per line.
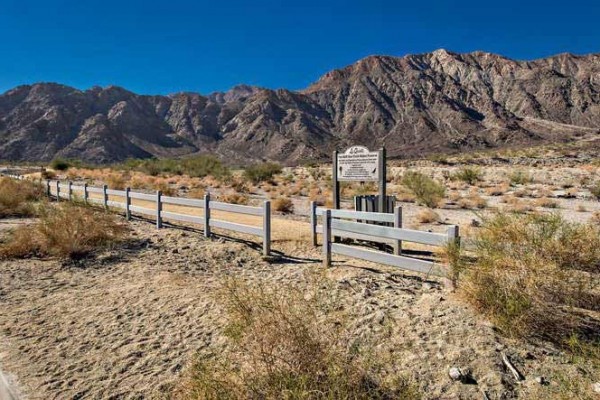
414, 105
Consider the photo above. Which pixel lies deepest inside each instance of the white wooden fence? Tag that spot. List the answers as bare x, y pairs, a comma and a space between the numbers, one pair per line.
341, 223
68, 191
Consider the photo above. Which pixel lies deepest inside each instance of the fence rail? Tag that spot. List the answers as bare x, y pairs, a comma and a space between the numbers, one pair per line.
334, 225
66, 190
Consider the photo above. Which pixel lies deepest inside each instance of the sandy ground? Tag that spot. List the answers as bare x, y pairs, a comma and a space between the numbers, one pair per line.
125, 324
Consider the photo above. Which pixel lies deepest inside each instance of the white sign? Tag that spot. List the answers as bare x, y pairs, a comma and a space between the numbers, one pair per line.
358, 164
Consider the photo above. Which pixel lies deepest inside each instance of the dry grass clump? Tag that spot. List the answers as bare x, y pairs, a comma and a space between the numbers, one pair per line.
428, 216
520, 177
532, 273
196, 193
546, 203
234, 198
116, 181
165, 188
595, 219
64, 231
284, 205
497, 190
472, 201
595, 190
288, 343
16, 197
426, 191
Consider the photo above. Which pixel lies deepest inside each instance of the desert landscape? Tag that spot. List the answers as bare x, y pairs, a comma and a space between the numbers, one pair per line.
140, 312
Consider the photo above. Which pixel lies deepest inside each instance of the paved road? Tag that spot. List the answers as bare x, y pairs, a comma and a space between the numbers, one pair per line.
7, 392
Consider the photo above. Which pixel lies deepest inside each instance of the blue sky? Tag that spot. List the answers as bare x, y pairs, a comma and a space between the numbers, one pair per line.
163, 47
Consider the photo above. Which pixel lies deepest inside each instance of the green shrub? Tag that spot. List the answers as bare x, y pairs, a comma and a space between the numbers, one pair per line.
427, 191
520, 178
530, 270
262, 172
199, 166
60, 164
468, 175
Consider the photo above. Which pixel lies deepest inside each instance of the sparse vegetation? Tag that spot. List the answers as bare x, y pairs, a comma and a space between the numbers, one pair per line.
64, 231
288, 342
199, 166
427, 191
428, 216
16, 197
595, 190
520, 178
234, 198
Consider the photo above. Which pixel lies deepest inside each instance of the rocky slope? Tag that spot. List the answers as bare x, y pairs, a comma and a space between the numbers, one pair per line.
431, 102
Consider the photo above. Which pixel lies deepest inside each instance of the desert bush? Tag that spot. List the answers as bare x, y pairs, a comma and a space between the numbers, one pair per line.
234, 198
497, 190
262, 172
116, 181
427, 191
284, 205
165, 188
472, 201
196, 193
64, 231
530, 270
595, 190
468, 175
16, 197
287, 343
427, 216
46, 174
545, 202
520, 178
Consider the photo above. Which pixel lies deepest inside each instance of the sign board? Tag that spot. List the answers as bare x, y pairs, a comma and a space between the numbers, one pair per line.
358, 164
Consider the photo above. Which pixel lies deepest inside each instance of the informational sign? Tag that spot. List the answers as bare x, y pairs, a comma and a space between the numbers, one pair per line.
358, 164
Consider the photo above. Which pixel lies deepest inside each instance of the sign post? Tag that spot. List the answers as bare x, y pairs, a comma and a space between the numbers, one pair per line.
358, 164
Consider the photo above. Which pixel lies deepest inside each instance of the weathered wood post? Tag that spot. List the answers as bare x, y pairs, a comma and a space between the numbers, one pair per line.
86, 195
105, 196
127, 204
336, 182
207, 214
57, 191
327, 238
453, 235
266, 228
48, 188
158, 209
398, 224
70, 192
313, 222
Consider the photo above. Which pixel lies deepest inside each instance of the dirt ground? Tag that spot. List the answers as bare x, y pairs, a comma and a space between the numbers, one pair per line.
125, 324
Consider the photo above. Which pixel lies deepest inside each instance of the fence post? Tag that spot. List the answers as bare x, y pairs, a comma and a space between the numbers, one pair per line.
266, 228
158, 209
398, 224
127, 204
85, 193
105, 196
57, 191
70, 191
207, 214
313, 222
453, 234
327, 238
48, 188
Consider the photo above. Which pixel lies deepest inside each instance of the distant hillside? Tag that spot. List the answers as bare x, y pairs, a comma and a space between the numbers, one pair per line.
413, 105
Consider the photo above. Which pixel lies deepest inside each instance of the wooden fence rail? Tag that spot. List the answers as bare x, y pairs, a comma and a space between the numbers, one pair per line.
334, 225
69, 191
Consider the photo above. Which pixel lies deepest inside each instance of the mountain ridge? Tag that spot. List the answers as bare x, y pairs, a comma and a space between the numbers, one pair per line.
415, 104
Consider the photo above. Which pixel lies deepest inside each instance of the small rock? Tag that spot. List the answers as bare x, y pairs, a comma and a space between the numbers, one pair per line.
427, 286
475, 223
175, 251
596, 387
455, 374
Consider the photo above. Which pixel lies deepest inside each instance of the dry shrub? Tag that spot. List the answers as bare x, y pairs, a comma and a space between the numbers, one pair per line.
234, 198
595, 190
165, 188
595, 219
546, 203
64, 231
472, 201
289, 343
497, 190
427, 216
16, 197
197, 193
116, 181
284, 205
531, 271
